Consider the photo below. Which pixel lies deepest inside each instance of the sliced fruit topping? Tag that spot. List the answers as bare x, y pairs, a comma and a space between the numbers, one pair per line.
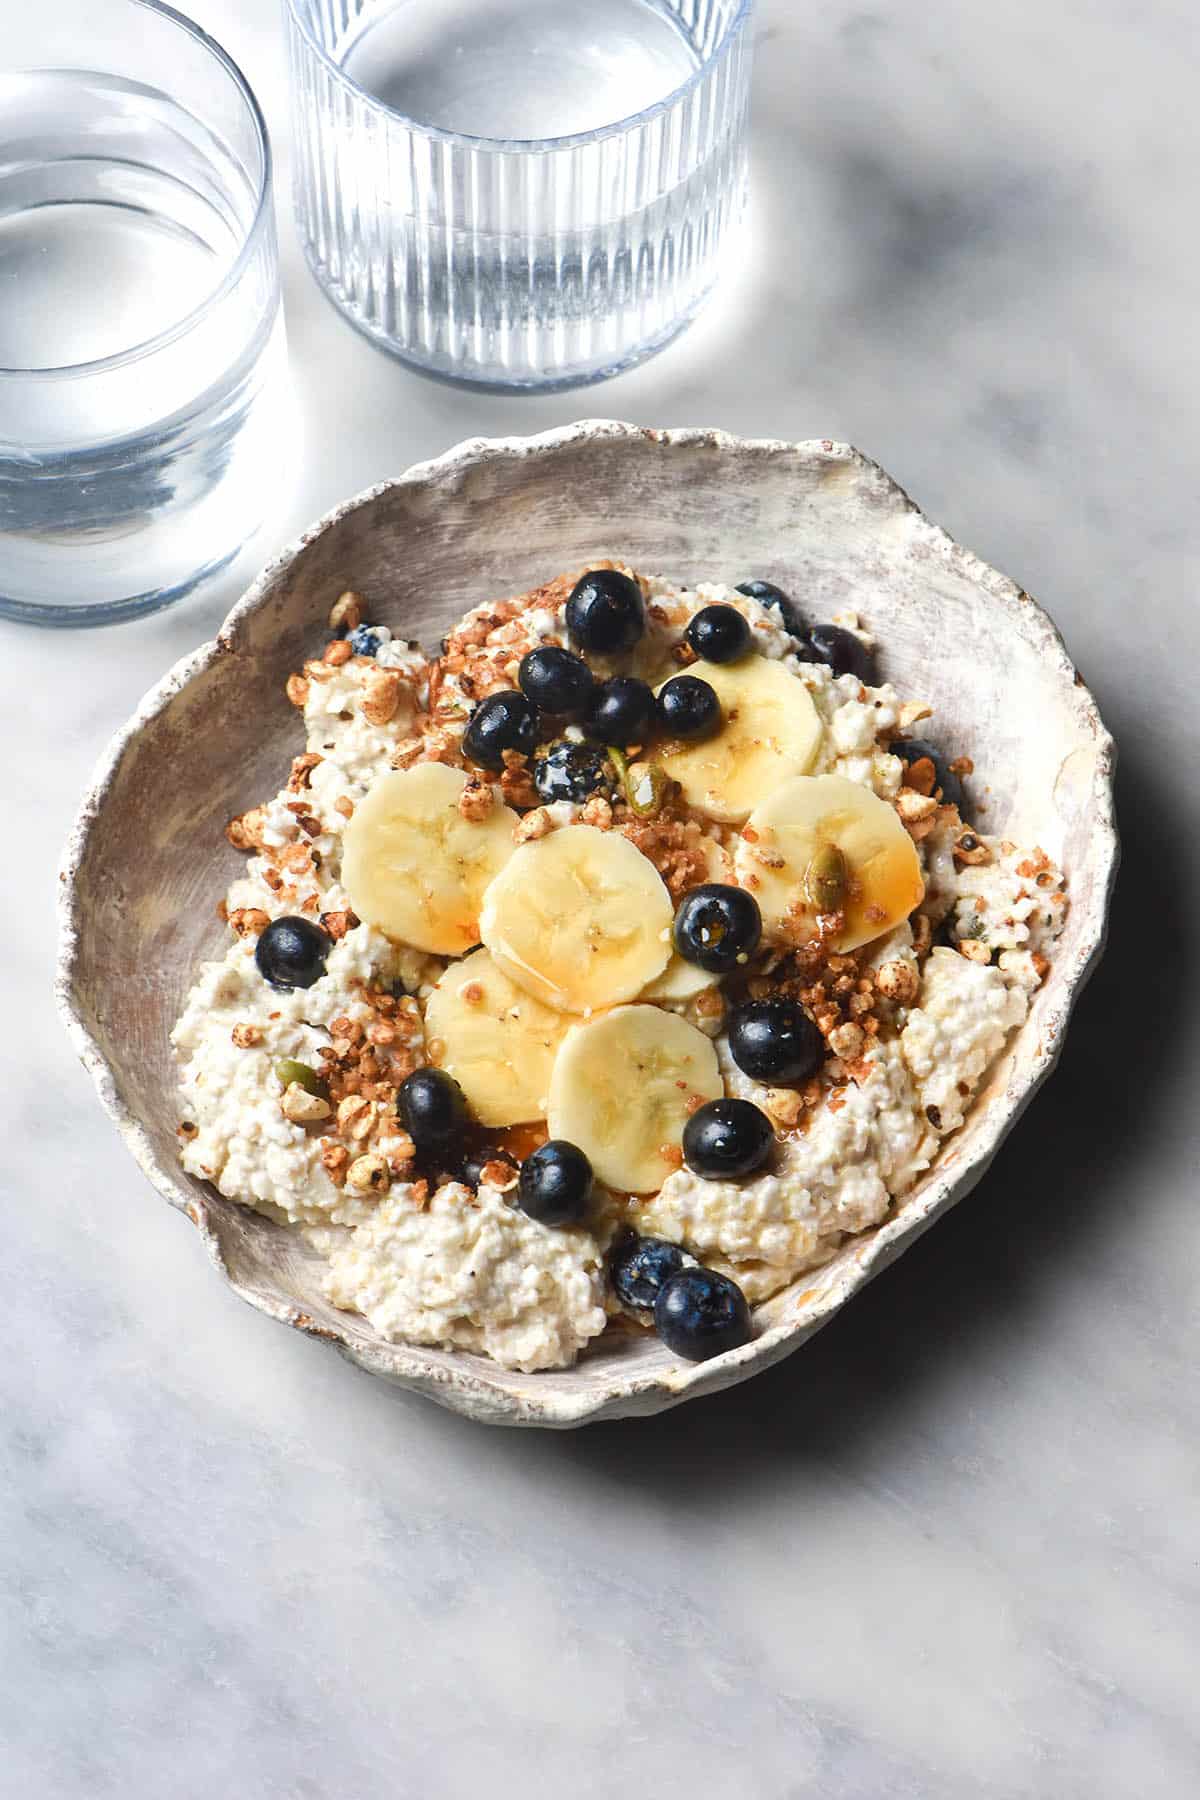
638, 1267
291, 952
504, 721
719, 634
688, 708
605, 612
840, 651
433, 1109
717, 926
622, 712
497, 1041
770, 596
775, 1041
783, 855
555, 1184
699, 1314
624, 1087
580, 919
413, 866
914, 751
727, 1138
680, 980
771, 731
573, 772
556, 681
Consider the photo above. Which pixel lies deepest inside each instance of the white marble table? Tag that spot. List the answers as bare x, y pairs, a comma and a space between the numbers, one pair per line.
951, 1548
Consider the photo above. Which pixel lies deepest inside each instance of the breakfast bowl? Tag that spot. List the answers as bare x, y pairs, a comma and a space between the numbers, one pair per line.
148, 859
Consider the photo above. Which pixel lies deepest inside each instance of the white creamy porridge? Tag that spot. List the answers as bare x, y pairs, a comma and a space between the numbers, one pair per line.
540, 1023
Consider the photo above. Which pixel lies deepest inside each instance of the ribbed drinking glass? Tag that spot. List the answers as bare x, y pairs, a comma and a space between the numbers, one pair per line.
519, 193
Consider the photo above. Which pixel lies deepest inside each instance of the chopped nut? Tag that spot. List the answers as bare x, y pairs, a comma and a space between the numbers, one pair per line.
477, 800
246, 1036
382, 1033
381, 696
302, 768
975, 950
914, 807
296, 689
598, 812
971, 849
346, 613
344, 806
898, 981
1041, 964
407, 753
962, 765
847, 1041
248, 921
535, 824
337, 653
369, 1175
337, 924
921, 775
336, 1160
301, 1107
784, 1105
912, 712
355, 1117
246, 831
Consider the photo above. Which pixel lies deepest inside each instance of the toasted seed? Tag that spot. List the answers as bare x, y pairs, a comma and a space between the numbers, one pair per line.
825, 878
288, 1070
645, 788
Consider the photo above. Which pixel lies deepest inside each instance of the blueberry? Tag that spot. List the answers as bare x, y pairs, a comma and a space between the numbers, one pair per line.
768, 595
504, 721
699, 1314
913, 750
572, 772
688, 708
556, 681
470, 1170
775, 1040
363, 641
717, 926
727, 1138
605, 612
433, 1108
719, 634
291, 953
555, 1184
638, 1267
840, 651
622, 712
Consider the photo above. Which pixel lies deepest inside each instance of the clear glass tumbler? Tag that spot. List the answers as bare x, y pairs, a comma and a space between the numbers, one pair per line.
141, 336
519, 193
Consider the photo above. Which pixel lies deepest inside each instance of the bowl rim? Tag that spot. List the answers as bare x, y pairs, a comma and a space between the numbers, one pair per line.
488, 1396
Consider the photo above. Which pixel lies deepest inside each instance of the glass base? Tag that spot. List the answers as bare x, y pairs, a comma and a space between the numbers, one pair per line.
454, 375
109, 612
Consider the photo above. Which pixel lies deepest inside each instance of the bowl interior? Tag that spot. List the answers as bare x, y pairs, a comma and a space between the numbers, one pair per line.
150, 860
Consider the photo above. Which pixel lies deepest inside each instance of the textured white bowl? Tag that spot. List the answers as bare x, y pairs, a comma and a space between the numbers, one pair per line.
147, 861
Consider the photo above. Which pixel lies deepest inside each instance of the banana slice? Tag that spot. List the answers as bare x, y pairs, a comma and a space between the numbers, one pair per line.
821, 843
498, 1042
770, 731
680, 980
412, 864
624, 1087
580, 919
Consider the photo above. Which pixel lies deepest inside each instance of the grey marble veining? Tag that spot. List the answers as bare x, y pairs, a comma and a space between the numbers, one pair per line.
951, 1547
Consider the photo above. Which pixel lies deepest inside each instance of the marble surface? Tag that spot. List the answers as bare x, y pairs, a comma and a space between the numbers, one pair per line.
951, 1547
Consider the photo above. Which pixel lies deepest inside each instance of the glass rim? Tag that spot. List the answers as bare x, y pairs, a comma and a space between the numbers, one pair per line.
527, 146
253, 232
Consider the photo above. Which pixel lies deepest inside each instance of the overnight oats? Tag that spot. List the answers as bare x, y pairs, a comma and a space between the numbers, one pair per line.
606, 969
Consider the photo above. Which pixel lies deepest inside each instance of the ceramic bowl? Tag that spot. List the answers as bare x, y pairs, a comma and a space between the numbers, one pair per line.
147, 861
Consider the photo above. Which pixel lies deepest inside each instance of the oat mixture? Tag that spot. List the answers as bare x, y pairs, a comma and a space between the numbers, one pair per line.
604, 970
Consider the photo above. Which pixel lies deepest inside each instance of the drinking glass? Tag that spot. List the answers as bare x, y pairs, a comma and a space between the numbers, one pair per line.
141, 337
519, 193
